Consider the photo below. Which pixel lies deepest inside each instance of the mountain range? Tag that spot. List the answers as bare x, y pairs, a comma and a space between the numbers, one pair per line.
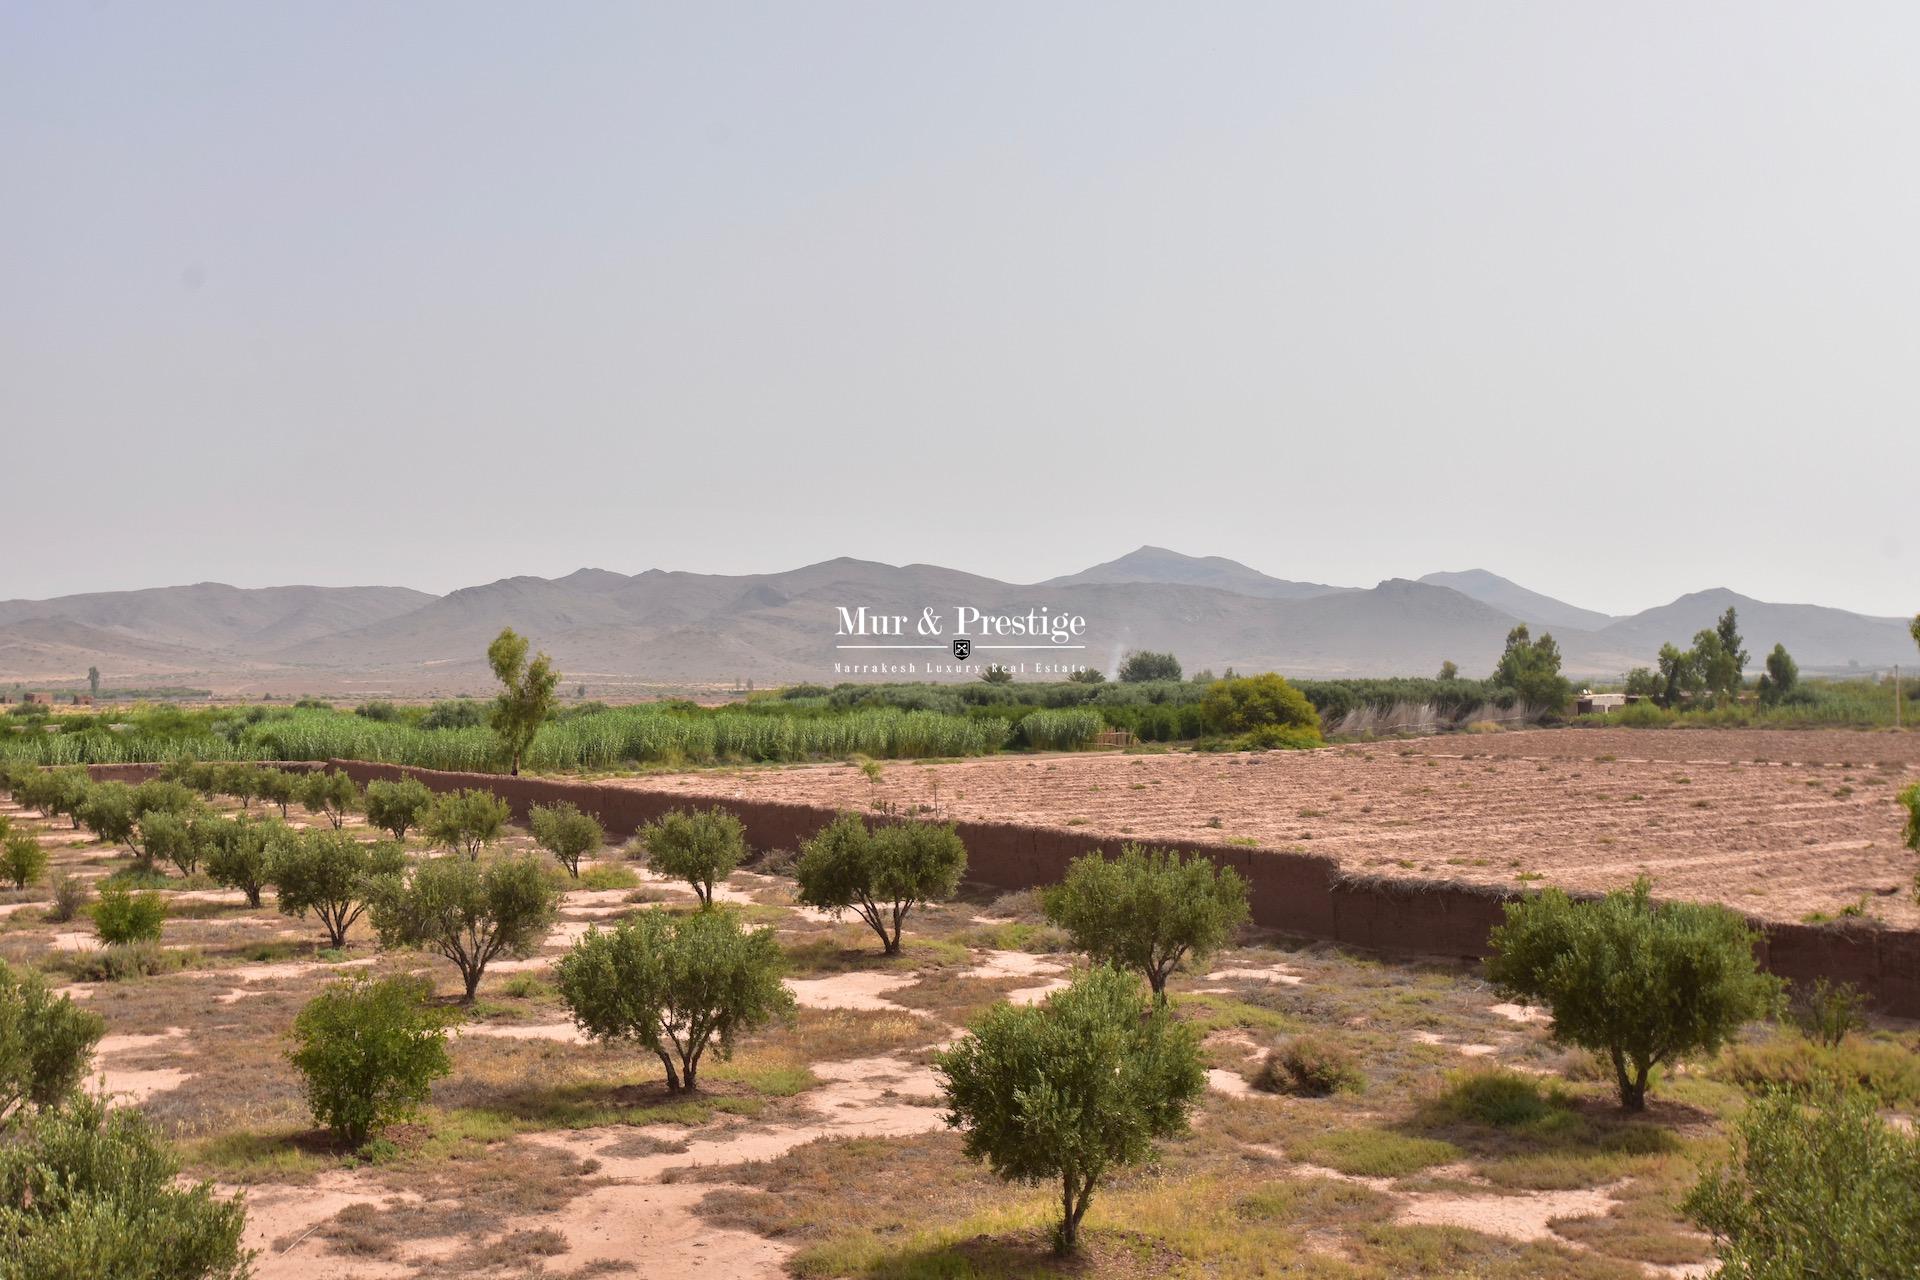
618, 633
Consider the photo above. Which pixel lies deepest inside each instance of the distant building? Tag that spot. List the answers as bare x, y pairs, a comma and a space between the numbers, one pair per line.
1601, 702
37, 699
82, 699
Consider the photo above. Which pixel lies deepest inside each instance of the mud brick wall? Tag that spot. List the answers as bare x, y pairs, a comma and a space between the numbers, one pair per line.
137, 773
1292, 892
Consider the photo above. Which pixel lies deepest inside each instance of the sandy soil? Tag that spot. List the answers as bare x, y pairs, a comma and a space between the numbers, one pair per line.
1779, 824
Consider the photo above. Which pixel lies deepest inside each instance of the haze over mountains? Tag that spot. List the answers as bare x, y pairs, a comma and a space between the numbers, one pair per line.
614, 632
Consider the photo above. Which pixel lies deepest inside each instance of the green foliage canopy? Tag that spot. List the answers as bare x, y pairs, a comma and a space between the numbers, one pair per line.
880, 875
1148, 910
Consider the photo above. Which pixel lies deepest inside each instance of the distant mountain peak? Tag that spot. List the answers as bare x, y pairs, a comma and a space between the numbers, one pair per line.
1148, 563
1511, 598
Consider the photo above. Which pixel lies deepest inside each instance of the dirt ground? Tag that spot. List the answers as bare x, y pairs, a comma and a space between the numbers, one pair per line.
820, 1148
1782, 825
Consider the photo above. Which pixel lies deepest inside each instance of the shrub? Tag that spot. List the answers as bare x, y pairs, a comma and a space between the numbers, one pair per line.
465, 912
1066, 1089
241, 780
329, 874
1886, 1071
121, 916
1825, 1012
466, 821
121, 962
70, 893
1148, 910
46, 1043
1642, 983
1141, 666
565, 832
675, 984
240, 854
701, 848
1251, 703
462, 713
1503, 1099
1531, 670
1911, 799
880, 875
331, 795
399, 806
22, 860
90, 1191
1311, 1065
1824, 1192
369, 1051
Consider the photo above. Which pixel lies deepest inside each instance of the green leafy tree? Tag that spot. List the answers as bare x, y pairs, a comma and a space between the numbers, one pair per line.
1718, 667
399, 806
1088, 675
1448, 671
108, 812
701, 847
369, 1051
566, 833
22, 860
468, 913
241, 780
1142, 665
87, 1191
180, 838
1149, 910
67, 790
1782, 676
1247, 703
526, 695
1531, 668
331, 795
1913, 629
1728, 630
880, 875
1824, 1191
329, 873
93, 682
466, 821
1642, 983
46, 1043
242, 852
678, 985
121, 916
1679, 675
162, 795
1643, 683
277, 786
1066, 1090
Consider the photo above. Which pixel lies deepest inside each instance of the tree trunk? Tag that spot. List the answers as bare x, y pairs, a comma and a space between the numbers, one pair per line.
472, 976
673, 1076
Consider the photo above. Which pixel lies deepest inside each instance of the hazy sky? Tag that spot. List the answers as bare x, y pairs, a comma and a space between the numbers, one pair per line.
1617, 300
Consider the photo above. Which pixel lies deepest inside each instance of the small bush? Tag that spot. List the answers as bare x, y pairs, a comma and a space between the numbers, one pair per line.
1251, 703
1503, 1099
122, 962
91, 1192
1826, 1012
369, 1051
608, 875
1313, 1066
70, 893
1826, 1192
123, 916
1884, 1070
22, 860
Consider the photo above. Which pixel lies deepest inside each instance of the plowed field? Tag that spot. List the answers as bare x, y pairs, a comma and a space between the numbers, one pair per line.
1782, 825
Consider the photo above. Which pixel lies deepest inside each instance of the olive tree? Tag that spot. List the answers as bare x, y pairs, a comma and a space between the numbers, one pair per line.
1824, 1191
526, 695
880, 875
465, 911
241, 854
332, 795
277, 786
109, 814
369, 1051
1149, 910
466, 821
46, 1043
566, 833
88, 1190
677, 984
1142, 665
399, 806
329, 873
66, 791
700, 847
22, 860
1641, 982
1067, 1089
180, 838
